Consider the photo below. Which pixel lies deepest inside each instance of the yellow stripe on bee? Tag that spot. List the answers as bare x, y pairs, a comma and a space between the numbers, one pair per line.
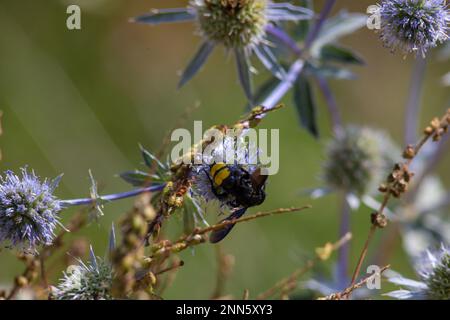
221, 175
219, 172
216, 167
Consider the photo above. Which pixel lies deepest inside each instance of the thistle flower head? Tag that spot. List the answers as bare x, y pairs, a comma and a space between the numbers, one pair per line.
234, 23
245, 155
239, 25
90, 281
434, 272
28, 210
357, 159
413, 25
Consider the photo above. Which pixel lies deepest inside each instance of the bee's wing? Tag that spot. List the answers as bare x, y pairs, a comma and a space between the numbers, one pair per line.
218, 235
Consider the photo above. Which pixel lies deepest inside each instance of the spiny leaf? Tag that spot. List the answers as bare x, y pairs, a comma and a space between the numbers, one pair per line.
340, 54
149, 159
305, 105
269, 60
165, 16
243, 68
93, 258
138, 178
55, 182
196, 63
288, 12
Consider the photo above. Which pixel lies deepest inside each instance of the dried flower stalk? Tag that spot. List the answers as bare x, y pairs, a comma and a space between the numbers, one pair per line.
399, 179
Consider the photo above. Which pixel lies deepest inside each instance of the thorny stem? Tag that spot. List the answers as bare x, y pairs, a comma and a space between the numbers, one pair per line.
435, 130
321, 255
112, 197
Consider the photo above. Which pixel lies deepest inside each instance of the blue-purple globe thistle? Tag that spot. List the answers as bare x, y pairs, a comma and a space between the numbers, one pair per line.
28, 210
238, 25
413, 26
434, 273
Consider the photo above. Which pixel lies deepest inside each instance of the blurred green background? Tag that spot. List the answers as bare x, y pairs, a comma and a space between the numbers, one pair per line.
80, 100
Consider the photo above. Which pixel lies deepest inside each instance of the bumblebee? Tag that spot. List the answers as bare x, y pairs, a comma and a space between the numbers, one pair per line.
238, 188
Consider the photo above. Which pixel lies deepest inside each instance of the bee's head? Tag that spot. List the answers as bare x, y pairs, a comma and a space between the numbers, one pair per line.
258, 180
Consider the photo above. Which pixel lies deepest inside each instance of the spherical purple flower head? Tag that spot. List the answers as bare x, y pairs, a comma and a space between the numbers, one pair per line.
28, 210
244, 154
413, 25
